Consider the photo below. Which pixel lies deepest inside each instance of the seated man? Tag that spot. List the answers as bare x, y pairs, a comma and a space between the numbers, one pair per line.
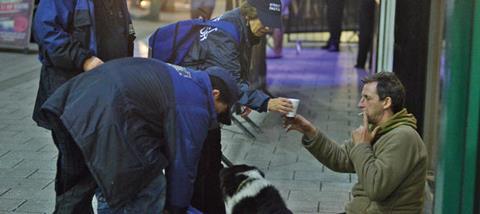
120, 125
390, 161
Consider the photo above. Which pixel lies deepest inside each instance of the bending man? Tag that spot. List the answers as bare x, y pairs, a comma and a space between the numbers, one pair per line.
120, 125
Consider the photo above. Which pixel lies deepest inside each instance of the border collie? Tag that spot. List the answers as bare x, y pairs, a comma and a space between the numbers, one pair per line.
246, 191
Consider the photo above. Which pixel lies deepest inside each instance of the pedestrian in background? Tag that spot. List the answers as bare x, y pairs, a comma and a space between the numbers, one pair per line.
276, 51
73, 40
386, 152
366, 19
334, 19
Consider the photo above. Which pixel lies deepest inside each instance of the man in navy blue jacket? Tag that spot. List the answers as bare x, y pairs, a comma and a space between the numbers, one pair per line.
126, 121
75, 36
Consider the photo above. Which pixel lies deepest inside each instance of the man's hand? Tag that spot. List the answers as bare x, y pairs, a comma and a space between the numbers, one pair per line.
362, 134
280, 105
300, 124
91, 63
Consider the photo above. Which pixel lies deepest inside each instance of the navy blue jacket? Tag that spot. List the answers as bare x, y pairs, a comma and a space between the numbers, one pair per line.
131, 118
217, 48
65, 33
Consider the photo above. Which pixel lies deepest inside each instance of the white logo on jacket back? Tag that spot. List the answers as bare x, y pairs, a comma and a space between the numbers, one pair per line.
207, 30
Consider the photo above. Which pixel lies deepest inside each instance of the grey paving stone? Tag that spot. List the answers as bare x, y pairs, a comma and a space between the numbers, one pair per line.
264, 146
313, 196
353, 178
302, 206
37, 164
236, 152
10, 204
3, 190
10, 162
39, 206
279, 175
8, 134
42, 174
333, 207
297, 166
328, 176
296, 185
307, 157
336, 187
11, 141
31, 155
15, 173
8, 182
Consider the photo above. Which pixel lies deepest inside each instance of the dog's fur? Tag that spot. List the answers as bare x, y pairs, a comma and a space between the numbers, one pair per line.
246, 191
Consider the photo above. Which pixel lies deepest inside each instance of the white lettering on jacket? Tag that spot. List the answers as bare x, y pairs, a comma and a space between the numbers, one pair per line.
205, 31
274, 7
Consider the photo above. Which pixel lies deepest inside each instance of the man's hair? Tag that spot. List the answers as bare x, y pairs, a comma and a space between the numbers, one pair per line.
248, 10
388, 85
218, 84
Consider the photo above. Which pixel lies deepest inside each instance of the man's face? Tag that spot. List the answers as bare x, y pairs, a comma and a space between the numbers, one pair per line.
220, 106
371, 104
257, 28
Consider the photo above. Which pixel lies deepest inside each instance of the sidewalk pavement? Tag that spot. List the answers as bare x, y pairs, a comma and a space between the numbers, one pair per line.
326, 84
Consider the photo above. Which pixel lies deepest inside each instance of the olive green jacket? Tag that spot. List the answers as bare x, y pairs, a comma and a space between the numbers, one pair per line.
391, 172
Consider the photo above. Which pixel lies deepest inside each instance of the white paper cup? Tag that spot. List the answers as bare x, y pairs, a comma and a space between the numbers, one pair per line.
295, 103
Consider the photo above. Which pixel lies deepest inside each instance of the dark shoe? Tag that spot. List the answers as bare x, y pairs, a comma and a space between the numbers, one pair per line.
274, 56
331, 47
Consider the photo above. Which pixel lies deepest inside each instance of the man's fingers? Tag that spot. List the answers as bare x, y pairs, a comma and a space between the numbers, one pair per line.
374, 132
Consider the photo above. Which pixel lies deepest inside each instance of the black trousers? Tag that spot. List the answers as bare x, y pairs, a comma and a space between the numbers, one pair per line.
74, 185
334, 19
366, 19
207, 195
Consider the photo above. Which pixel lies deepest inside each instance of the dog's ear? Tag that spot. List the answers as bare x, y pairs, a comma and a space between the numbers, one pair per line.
230, 182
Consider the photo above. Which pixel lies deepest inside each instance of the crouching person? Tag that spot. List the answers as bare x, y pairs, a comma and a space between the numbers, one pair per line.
120, 125
386, 152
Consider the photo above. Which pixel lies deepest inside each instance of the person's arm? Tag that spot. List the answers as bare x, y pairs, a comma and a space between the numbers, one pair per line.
332, 155
381, 173
58, 46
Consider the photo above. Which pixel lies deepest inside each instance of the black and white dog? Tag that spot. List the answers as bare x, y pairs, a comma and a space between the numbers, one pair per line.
246, 191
